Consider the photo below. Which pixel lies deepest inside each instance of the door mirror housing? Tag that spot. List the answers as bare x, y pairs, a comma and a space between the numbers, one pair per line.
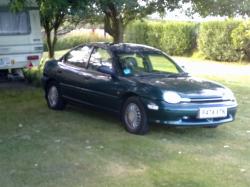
106, 70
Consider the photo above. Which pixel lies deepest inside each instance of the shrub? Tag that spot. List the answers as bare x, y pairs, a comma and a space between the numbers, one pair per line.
34, 75
176, 38
71, 40
155, 33
215, 40
136, 32
241, 39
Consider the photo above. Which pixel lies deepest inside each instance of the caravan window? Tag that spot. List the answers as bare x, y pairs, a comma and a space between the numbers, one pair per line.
14, 23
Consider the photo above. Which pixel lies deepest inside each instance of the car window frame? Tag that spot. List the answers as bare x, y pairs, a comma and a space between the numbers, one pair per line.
63, 59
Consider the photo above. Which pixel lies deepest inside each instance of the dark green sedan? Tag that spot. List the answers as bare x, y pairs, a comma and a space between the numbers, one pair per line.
140, 83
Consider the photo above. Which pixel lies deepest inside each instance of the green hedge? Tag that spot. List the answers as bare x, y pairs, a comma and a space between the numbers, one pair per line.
241, 39
137, 32
227, 40
71, 40
215, 40
176, 38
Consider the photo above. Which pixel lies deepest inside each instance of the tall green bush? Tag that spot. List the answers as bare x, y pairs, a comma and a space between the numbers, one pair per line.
176, 38
215, 40
241, 39
71, 40
155, 33
137, 32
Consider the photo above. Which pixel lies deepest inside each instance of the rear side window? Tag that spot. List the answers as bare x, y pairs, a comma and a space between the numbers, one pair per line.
14, 23
78, 57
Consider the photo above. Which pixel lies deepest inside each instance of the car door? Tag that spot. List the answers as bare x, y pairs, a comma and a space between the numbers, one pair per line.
73, 74
103, 88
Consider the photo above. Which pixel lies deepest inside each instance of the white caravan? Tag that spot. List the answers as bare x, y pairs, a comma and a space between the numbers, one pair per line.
20, 38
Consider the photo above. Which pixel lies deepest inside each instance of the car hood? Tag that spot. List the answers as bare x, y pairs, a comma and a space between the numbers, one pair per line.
186, 86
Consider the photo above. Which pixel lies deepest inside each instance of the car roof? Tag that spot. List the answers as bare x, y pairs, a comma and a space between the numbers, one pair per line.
126, 47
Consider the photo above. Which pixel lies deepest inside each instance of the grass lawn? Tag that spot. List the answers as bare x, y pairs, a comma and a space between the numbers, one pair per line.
82, 147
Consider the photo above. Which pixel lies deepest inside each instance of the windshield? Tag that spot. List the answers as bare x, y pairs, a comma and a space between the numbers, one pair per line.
144, 63
14, 23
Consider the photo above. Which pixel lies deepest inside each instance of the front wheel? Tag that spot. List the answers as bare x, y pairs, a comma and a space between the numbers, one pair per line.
134, 116
53, 97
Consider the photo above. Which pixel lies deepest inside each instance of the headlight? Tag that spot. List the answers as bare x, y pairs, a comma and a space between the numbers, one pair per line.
228, 95
172, 97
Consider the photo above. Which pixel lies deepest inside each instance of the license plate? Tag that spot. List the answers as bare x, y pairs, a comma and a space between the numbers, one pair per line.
218, 112
4, 61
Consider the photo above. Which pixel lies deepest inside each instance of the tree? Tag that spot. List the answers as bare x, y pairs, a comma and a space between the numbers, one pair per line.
222, 7
53, 13
118, 13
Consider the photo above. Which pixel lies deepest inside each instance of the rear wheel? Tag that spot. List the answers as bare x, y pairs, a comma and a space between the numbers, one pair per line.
53, 97
134, 116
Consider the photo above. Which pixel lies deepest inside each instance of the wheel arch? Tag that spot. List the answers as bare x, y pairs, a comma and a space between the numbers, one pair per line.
48, 82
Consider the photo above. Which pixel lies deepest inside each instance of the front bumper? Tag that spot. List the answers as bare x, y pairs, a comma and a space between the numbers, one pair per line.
186, 114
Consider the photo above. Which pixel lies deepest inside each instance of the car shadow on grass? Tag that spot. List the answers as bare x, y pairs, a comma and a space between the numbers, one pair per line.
95, 113
113, 120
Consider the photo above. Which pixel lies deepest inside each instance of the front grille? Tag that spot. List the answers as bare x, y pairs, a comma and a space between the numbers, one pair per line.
207, 100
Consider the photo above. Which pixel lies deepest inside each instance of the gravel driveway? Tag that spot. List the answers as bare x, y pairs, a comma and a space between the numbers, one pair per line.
206, 67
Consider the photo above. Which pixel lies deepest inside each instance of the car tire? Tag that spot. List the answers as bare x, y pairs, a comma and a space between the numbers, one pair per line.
53, 97
134, 117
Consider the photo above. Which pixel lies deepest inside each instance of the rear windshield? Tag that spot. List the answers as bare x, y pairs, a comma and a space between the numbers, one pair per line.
14, 23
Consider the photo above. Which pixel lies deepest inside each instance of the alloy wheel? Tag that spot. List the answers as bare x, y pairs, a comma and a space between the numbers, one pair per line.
133, 116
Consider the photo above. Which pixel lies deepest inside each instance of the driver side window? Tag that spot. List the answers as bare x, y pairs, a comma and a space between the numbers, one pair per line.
100, 57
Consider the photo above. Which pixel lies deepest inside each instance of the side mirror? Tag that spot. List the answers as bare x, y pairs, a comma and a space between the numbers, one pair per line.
106, 70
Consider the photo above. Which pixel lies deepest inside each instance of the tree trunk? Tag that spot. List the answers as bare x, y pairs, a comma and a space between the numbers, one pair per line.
114, 24
50, 47
54, 42
49, 26
118, 32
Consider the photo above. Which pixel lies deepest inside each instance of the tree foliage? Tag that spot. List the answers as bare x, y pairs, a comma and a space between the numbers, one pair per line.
222, 7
